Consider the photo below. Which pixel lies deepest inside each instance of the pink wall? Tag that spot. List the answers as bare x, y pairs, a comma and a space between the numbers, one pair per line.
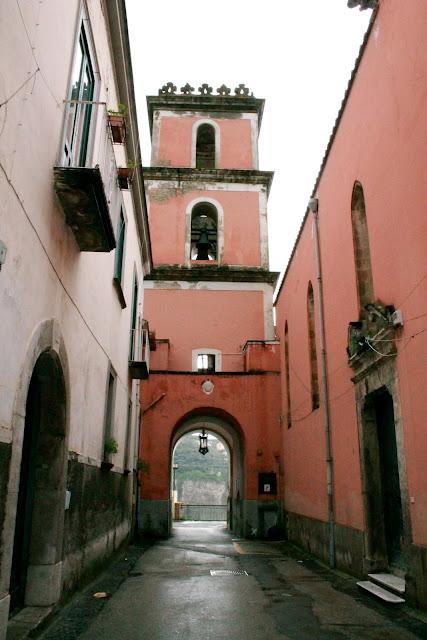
167, 214
382, 143
192, 319
252, 400
174, 149
262, 357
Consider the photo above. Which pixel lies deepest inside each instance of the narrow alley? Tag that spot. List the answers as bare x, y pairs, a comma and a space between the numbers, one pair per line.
261, 591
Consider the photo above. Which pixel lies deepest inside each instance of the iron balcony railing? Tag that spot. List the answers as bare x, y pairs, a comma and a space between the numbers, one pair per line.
206, 512
139, 362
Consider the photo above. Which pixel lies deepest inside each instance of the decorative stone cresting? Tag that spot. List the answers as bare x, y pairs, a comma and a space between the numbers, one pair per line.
223, 90
187, 89
205, 90
363, 4
168, 89
241, 90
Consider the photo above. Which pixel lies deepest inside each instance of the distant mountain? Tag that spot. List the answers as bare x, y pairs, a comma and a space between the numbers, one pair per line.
202, 479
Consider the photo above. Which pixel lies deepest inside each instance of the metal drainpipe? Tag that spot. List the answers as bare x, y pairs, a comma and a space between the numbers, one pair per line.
313, 206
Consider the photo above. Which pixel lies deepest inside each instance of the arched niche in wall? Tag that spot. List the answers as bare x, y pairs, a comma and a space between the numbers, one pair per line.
312, 349
362, 254
205, 144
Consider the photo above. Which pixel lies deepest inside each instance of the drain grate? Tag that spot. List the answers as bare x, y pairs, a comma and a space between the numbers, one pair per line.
229, 572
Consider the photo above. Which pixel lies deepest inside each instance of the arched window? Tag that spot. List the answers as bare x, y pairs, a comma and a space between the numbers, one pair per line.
312, 351
204, 232
205, 147
362, 256
288, 379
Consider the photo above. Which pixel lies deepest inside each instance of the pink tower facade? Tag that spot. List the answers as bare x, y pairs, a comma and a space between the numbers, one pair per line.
215, 360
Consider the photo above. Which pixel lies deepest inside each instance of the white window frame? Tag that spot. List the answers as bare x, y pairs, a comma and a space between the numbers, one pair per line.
208, 352
196, 126
83, 24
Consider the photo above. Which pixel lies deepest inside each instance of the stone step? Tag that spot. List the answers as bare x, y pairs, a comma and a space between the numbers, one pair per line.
379, 592
389, 581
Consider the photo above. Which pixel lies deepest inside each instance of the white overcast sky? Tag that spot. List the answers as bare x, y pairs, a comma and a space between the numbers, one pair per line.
297, 54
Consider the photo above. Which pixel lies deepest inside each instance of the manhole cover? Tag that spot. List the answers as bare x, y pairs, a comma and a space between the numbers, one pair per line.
228, 572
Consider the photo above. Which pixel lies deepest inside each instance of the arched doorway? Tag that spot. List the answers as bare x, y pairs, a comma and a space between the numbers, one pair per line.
37, 546
228, 433
201, 478
386, 533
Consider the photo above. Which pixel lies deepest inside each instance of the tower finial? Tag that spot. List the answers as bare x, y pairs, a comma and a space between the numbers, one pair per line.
241, 90
168, 89
187, 89
223, 90
205, 90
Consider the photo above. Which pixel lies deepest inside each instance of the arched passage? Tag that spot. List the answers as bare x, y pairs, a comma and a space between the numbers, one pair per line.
35, 576
227, 430
201, 477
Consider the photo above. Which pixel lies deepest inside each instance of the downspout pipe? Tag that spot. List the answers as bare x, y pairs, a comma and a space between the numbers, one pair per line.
313, 206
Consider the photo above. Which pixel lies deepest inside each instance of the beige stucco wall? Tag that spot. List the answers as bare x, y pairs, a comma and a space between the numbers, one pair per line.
45, 275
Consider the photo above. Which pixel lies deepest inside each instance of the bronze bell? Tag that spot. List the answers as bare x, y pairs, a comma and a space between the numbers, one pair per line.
203, 245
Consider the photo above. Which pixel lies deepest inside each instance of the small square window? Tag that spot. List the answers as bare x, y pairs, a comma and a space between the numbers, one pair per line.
205, 362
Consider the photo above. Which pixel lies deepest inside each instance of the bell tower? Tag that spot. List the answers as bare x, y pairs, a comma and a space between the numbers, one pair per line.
205, 159
208, 298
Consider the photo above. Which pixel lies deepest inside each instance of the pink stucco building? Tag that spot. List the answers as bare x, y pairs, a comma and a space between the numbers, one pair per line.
215, 363
351, 317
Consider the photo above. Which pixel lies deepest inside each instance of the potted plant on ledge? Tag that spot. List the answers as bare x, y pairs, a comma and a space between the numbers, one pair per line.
110, 448
125, 174
117, 123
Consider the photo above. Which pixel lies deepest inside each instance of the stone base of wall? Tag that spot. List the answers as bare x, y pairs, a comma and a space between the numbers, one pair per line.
97, 522
313, 535
262, 519
5, 456
154, 518
416, 578
4, 615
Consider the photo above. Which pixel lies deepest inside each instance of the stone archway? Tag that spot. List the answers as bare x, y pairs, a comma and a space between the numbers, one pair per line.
33, 534
37, 546
210, 494
226, 429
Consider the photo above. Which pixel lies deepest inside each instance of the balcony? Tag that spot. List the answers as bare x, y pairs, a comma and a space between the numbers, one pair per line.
139, 363
85, 179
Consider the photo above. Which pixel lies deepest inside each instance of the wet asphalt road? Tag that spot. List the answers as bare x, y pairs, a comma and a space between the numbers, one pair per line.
170, 593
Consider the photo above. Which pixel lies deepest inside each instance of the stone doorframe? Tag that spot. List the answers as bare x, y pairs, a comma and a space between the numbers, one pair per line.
44, 578
373, 373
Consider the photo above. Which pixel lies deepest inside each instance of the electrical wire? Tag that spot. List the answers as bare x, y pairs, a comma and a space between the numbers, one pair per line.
299, 379
398, 339
21, 86
67, 293
385, 355
35, 57
412, 290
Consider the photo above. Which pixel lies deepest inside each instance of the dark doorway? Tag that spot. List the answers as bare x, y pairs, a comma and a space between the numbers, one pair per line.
40, 503
384, 501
